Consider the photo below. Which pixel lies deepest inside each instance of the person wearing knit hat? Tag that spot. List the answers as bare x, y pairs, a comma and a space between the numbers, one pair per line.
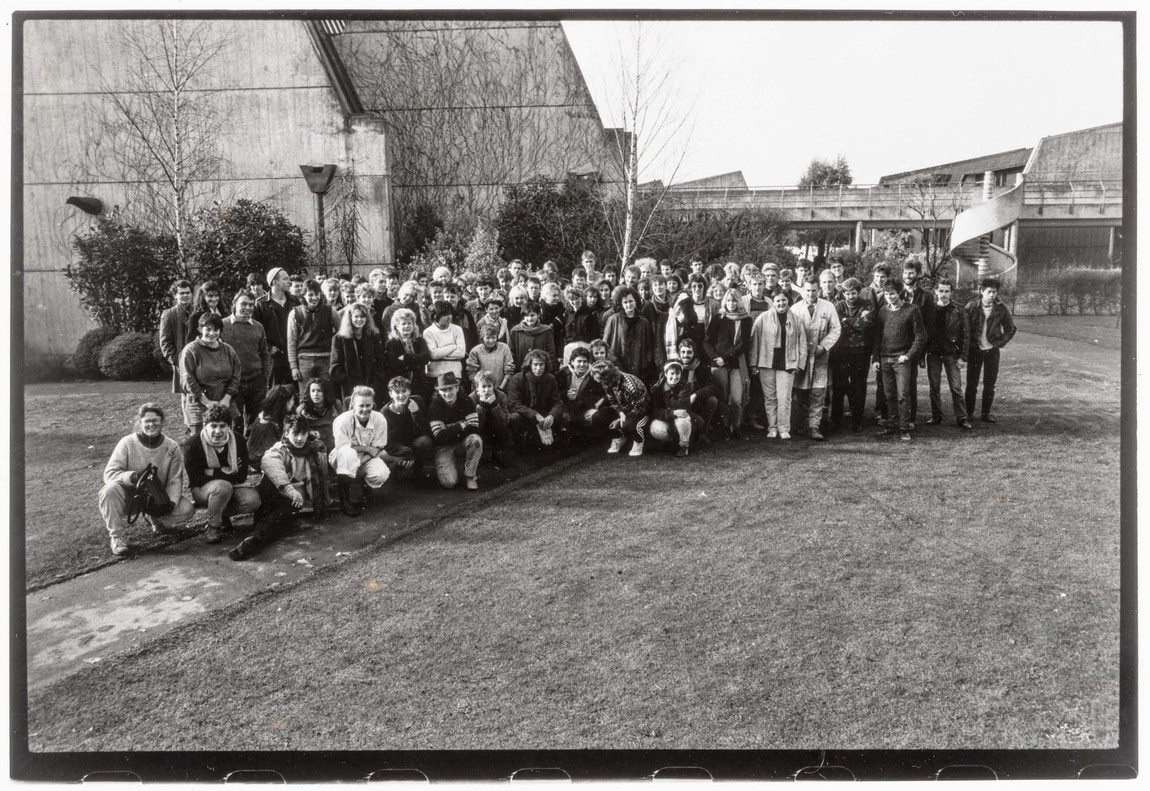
272, 311
671, 418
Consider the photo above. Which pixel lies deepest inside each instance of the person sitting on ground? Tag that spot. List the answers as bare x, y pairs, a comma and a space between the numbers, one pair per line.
585, 409
320, 408
132, 455
671, 418
492, 356
494, 417
217, 465
356, 352
405, 353
360, 444
294, 483
455, 427
209, 371
599, 351
529, 335
627, 396
268, 428
533, 400
410, 448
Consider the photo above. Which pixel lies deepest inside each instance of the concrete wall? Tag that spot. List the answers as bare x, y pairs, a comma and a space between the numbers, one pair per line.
275, 109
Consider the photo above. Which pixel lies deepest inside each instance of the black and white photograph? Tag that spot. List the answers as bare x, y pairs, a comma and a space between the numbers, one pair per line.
572, 394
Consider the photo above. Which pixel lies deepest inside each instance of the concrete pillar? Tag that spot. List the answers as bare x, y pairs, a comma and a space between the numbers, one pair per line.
873, 237
1113, 243
857, 238
1012, 239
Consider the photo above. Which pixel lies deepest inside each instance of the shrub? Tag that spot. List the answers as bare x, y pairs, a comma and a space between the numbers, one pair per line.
129, 356
1079, 288
44, 367
482, 255
123, 275
229, 242
86, 360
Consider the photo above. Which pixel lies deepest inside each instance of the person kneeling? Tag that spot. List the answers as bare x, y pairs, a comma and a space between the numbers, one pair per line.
671, 417
586, 413
217, 464
295, 482
409, 445
360, 440
454, 425
533, 400
494, 419
148, 446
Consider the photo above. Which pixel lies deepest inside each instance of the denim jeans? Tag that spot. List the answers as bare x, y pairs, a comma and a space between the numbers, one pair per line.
445, 470
224, 499
935, 363
896, 381
984, 362
777, 397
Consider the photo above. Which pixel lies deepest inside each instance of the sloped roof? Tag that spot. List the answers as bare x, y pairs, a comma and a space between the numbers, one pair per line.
1088, 154
732, 180
956, 170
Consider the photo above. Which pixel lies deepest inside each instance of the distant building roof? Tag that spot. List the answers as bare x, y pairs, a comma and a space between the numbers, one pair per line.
1005, 160
732, 180
1086, 154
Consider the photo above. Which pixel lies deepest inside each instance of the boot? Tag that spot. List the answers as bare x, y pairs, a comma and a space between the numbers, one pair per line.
368, 495
345, 504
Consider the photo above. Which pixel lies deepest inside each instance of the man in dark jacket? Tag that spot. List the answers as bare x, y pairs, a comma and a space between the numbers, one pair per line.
872, 298
272, 312
174, 324
850, 358
946, 347
900, 339
585, 409
533, 398
922, 299
991, 328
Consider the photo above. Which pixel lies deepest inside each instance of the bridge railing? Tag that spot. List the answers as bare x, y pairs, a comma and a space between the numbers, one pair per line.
897, 199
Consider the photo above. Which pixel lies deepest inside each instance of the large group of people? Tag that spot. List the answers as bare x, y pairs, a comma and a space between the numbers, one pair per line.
357, 381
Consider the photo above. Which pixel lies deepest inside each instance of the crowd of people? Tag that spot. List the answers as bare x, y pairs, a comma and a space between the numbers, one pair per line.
357, 381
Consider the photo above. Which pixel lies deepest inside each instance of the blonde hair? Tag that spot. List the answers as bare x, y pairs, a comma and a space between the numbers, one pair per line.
398, 316
346, 330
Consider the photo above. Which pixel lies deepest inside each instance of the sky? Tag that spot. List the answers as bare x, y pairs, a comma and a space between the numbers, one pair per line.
766, 97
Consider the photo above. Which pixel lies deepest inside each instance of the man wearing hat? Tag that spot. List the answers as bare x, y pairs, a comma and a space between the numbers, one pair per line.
272, 311
454, 421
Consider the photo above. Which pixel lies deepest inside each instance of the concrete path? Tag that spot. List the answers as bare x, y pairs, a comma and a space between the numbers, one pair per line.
82, 621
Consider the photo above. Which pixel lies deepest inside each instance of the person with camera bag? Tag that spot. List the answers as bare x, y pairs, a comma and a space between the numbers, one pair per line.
146, 470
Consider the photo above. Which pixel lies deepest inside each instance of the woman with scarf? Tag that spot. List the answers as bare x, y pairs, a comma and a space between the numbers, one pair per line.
294, 483
630, 340
217, 465
406, 354
209, 372
727, 342
778, 351
357, 352
133, 453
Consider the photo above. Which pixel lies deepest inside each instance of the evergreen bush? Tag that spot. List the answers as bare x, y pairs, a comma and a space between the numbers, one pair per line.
86, 359
129, 357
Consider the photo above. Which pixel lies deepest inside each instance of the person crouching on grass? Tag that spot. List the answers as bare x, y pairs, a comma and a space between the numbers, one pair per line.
132, 455
671, 418
295, 482
627, 395
454, 427
217, 465
586, 413
533, 400
409, 444
360, 440
494, 417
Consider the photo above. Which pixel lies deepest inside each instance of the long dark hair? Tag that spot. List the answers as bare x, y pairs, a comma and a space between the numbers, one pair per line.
200, 305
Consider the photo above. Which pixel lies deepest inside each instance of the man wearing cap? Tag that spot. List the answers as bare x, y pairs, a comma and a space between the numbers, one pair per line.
454, 421
272, 311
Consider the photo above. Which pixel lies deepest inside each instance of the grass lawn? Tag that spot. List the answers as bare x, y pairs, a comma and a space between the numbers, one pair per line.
957, 592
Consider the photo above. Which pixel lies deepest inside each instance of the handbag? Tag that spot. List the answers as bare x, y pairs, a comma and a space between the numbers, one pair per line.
148, 496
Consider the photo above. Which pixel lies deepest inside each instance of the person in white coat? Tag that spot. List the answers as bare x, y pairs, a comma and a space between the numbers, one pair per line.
820, 322
360, 439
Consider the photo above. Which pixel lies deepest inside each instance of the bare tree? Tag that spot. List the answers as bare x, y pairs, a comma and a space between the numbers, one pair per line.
935, 205
156, 129
653, 133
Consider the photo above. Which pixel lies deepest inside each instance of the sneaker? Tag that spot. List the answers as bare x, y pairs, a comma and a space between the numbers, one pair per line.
616, 445
472, 484
772, 432
934, 421
905, 436
965, 425
817, 436
784, 435
681, 452
636, 449
213, 535
119, 547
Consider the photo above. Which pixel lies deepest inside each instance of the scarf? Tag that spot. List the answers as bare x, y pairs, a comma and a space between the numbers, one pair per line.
211, 452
